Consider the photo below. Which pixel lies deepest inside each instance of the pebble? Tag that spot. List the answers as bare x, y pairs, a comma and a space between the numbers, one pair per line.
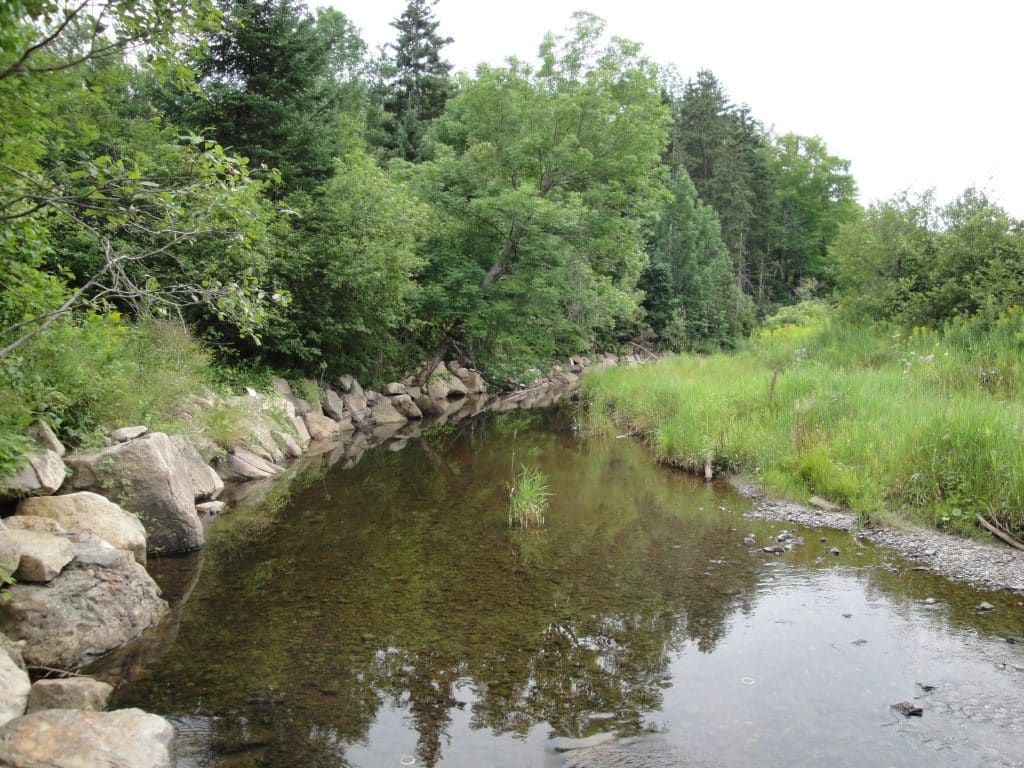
986, 607
929, 601
834, 551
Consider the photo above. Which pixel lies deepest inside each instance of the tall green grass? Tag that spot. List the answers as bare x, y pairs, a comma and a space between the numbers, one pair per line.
919, 425
528, 498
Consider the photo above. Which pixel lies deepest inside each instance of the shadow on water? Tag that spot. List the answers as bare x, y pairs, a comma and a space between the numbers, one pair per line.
386, 613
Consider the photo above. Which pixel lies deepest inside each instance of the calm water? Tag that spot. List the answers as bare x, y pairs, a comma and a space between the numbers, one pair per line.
385, 615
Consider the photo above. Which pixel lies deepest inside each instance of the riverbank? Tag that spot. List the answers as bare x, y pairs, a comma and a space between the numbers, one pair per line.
912, 438
982, 564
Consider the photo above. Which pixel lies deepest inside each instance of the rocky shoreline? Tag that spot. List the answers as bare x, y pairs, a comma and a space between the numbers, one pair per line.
982, 564
79, 528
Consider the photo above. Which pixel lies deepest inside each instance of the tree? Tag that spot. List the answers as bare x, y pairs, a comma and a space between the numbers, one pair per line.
349, 261
814, 195
122, 215
543, 179
274, 85
698, 305
420, 81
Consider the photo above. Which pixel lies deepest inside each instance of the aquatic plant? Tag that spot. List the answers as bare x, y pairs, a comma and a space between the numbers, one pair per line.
528, 498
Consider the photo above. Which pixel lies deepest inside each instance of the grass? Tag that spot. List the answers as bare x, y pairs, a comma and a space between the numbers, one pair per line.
924, 426
528, 498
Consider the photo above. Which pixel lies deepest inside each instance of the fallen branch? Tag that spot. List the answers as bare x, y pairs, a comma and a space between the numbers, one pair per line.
997, 531
53, 670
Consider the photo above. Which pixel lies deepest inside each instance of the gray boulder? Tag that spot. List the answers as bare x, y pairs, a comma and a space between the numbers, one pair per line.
280, 386
67, 738
321, 427
86, 511
45, 437
150, 479
43, 555
243, 464
405, 406
334, 406
42, 476
383, 412
395, 388
69, 693
100, 601
206, 483
288, 444
14, 682
472, 380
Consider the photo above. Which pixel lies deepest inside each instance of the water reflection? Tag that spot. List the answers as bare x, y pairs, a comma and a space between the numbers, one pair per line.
356, 617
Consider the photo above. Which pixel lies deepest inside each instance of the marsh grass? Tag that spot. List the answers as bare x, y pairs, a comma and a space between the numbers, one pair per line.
924, 426
528, 498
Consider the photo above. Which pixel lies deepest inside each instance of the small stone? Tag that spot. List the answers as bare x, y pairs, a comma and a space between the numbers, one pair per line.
124, 434
907, 709
929, 601
784, 536
210, 507
774, 549
750, 539
860, 642
834, 551
847, 615
822, 540
986, 607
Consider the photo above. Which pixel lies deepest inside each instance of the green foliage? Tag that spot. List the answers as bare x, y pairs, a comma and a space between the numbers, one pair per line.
99, 371
274, 84
528, 498
541, 180
913, 263
918, 425
349, 259
418, 80
691, 296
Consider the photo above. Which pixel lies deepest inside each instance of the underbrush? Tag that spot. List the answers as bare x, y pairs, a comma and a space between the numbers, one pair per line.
925, 425
99, 371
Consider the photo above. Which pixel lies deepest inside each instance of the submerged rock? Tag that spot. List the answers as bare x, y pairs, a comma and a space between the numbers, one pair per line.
65, 738
907, 709
69, 693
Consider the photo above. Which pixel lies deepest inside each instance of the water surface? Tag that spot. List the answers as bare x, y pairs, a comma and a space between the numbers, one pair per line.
386, 615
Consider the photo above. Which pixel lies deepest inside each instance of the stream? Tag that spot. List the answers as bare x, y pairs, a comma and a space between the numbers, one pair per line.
381, 612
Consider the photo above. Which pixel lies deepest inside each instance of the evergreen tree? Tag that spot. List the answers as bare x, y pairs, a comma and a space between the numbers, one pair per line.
273, 87
420, 83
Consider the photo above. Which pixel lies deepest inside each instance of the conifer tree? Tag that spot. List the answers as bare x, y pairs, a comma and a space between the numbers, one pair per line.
421, 81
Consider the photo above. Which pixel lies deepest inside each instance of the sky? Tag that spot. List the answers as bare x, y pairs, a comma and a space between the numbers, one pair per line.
915, 94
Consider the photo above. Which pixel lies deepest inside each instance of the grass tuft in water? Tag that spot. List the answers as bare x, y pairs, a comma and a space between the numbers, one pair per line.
528, 498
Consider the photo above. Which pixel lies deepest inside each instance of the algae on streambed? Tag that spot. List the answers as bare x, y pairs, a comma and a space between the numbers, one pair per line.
387, 612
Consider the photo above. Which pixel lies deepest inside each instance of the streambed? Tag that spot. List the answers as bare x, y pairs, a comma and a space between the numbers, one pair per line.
385, 615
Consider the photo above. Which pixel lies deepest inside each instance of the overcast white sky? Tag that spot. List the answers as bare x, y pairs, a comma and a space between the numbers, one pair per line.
915, 94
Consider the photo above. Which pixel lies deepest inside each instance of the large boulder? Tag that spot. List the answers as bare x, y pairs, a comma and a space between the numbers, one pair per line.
41, 476
383, 412
101, 600
14, 682
69, 693
395, 388
43, 555
281, 386
67, 738
243, 464
334, 406
45, 437
206, 483
358, 409
321, 427
405, 406
430, 406
438, 387
150, 479
87, 511
472, 380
